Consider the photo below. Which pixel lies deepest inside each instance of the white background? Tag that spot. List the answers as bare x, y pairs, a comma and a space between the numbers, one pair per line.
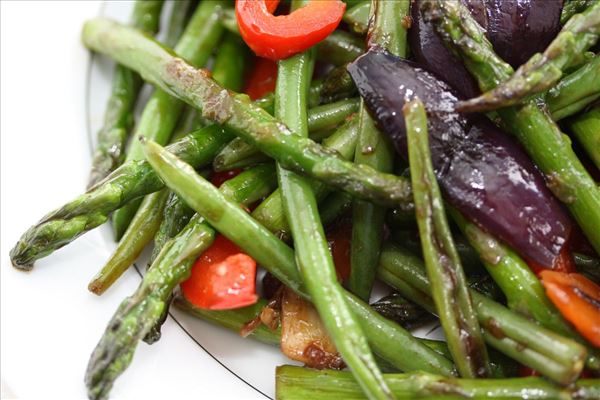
50, 322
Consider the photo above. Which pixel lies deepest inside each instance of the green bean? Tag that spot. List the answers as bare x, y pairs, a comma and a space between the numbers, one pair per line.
448, 283
586, 129
297, 383
315, 261
374, 149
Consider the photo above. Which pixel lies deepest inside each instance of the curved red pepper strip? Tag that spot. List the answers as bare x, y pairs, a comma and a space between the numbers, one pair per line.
578, 300
282, 36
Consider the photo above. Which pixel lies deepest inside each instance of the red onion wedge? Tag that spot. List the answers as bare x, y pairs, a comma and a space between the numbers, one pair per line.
482, 172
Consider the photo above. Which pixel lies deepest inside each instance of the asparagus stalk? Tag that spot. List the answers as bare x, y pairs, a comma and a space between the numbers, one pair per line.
542, 71
374, 149
118, 117
313, 256
388, 340
239, 154
448, 283
586, 129
298, 383
139, 313
539, 135
573, 7
552, 355
240, 116
575, 91
162, 110
130, 181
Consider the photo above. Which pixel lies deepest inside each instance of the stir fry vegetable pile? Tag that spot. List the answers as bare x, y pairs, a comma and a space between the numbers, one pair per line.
448, 149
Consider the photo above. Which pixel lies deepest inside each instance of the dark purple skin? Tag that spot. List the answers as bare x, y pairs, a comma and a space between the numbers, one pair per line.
481, 171
520, 28
516, 28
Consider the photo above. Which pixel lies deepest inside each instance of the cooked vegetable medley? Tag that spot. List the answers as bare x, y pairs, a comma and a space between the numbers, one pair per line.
448, 149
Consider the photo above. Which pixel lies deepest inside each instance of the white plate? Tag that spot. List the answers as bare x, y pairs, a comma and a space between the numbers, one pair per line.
53, 99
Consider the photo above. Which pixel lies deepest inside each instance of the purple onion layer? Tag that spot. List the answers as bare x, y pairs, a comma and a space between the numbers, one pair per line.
516, 28
481, 171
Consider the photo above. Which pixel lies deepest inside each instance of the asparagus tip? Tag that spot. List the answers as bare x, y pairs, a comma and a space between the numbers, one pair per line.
19, 260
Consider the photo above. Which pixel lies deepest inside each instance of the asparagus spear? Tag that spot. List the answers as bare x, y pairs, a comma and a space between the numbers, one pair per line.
374, 149
552, 355
130, 181
238, 153
162, 110
314, 259
118, 117
542, 71
539, 135
448, 283
298, 383
573, 7
388, 340
586, 129
575, 91
237, 114
139, 313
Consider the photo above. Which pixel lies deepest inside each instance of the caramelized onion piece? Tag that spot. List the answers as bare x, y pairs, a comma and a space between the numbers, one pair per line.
303, 336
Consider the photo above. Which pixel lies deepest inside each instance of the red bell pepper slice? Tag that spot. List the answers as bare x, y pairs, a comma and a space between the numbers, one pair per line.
578, 300
279, 37
222, 278
262, 79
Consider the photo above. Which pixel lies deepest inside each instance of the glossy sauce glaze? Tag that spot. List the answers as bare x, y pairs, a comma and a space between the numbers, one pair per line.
482, 172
